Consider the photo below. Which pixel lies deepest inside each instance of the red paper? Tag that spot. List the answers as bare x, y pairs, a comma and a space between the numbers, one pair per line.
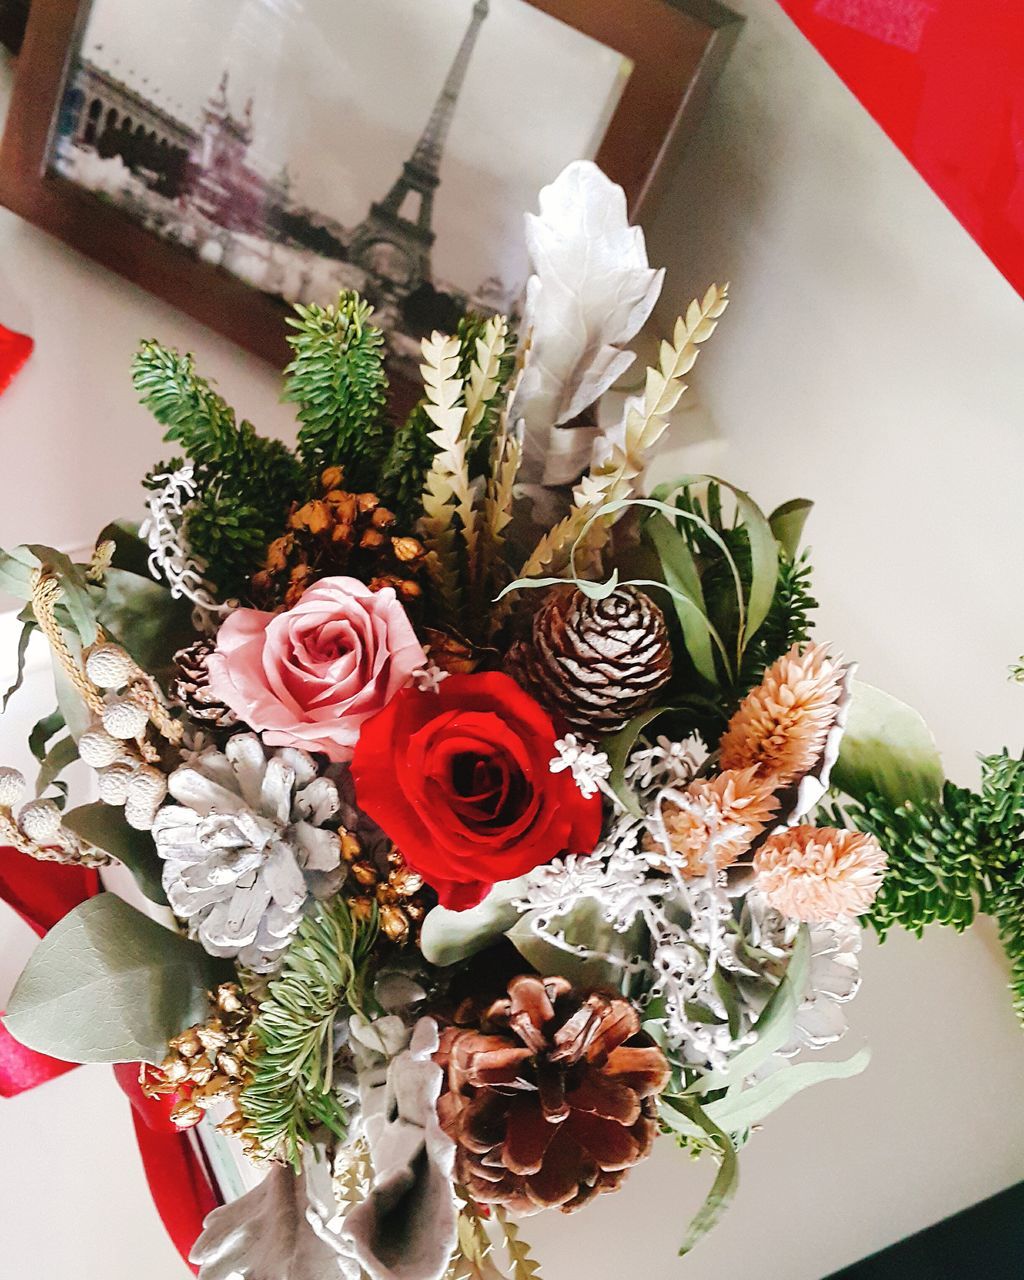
15, 349
945, 80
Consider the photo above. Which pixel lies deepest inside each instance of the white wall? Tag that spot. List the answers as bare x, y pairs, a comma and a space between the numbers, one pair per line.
872, 360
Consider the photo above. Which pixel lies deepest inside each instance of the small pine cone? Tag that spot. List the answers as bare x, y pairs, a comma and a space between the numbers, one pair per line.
191, 687
551, 1097
596, 663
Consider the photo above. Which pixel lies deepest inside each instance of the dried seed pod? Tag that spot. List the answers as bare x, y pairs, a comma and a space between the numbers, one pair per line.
12, 787
109, 667
40, 820
98, 748
125, 719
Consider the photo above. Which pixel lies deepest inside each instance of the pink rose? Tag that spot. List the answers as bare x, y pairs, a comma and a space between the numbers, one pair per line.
309, 678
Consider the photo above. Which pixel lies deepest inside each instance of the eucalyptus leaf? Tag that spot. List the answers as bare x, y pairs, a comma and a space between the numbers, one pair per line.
773, 1028
887, 749
104, 826
27, 627
741, 1108
680, 571
43, 731
16, 569
787, 522
450, 936
107, 984
75, 595
145, 619
131, 552
60, 755
764, 561
726, 1180
77, 716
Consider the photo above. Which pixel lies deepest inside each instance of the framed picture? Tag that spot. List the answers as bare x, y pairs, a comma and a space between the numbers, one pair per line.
235, 156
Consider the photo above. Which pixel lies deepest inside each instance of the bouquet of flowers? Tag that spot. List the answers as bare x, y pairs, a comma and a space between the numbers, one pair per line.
476, 790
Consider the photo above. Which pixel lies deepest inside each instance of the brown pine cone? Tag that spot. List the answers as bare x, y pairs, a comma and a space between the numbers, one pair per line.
190, 687
596, 663
338, 533
551, 1098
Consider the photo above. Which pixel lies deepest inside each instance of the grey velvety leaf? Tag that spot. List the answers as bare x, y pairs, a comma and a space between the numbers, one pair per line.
450, 936
266, 1235
107, 984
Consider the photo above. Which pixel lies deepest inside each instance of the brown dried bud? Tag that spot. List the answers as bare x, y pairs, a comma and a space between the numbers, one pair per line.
407, 549
364, 873
314, 516
405, 881
228, 998
278, 552
361, 908
368, 502
332, 478
383, 518
187, 1044
371, 539
185, 1114
174, 1068
350, 846
229, 1066
395, 924
341, 533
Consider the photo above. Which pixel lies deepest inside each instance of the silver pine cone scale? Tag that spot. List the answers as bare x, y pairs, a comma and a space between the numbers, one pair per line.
594, 663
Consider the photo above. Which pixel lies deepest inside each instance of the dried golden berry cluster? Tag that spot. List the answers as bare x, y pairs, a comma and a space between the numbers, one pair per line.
397, 895
339, 533
205, 1064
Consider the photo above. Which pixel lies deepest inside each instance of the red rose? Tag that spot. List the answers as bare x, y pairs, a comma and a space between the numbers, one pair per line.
460, 780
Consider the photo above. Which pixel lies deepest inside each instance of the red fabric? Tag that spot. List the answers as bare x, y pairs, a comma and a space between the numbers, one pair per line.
42, 893
945, 80
15, 349
22, 1069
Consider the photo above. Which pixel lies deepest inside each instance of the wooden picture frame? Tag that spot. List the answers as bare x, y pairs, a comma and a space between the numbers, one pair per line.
677, 47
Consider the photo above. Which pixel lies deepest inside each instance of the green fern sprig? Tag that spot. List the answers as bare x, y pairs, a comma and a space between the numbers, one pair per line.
337, 379
244, 482
290, 1090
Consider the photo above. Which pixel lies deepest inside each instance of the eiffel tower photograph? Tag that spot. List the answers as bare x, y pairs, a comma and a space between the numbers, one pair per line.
312, 145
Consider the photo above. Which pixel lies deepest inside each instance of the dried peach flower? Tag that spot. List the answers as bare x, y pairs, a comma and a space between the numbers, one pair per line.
783, 724
715, 819
819, 873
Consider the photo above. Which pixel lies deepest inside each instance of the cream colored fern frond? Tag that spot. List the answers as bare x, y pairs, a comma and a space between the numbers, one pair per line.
524, 1266
614, 478
483, 375
447, 489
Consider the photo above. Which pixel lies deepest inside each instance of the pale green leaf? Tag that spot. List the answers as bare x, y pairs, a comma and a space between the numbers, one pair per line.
27, 628
726, 1180
107, 984
787, 522
617, 747
680, 570
595, 954
887, 749
104, 826
450, 936
144, 618
741, 1108
60, 755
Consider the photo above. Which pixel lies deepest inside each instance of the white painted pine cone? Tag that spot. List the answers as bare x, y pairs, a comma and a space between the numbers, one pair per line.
109, 667
12, 787
125, 719
40, 820
99, 748
112, 782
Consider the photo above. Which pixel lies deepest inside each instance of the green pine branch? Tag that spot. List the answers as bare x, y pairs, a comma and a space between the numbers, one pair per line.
244, 482
338, 381
290, 1092
950, 859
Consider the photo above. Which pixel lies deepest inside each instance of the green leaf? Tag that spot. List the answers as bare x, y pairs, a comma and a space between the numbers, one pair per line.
16, 568
788, 522
27, 627
107, 984
75, 598
131, 553
77, 716
617, 747
56, 760
764, 561
680, 570
741, 1108
887, 749
450, 936
104, 826
144, 618
42, 732
774, 1027
727, 1179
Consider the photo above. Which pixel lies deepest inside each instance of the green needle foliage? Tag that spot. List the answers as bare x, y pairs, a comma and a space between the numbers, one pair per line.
244, 483
338, 381
290, 1093
953, 858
